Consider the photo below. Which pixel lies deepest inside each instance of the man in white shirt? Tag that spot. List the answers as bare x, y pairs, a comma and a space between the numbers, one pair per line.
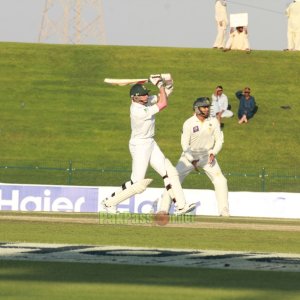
201, 141
238, 39
293, 33
219, 106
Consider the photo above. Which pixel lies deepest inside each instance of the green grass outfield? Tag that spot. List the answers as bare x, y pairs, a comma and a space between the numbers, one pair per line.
41, 280
80, 228
36, 280
55, 108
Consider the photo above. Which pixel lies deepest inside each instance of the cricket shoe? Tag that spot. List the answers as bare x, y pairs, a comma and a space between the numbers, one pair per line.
225, 212
186, 209
112, 209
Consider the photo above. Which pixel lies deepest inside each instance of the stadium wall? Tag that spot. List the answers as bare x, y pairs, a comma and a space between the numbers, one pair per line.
87, 199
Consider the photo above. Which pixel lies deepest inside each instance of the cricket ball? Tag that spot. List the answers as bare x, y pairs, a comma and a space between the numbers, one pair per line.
161, 218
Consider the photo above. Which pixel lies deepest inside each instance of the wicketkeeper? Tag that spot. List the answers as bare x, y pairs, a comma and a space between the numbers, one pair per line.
201, 141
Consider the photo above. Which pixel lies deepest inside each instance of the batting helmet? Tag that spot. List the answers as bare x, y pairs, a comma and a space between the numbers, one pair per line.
138, 90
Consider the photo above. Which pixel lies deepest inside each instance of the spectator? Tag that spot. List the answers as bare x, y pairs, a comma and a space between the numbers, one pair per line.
293, 33
238, 39
215, 108
222, 22
220, 107
247, 106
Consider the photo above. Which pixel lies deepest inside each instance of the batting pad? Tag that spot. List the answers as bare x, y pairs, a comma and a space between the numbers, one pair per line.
136, 188
176, 190
165, 202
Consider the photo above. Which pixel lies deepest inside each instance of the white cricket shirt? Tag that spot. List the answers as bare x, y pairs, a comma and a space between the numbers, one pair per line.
198, 135
142, 119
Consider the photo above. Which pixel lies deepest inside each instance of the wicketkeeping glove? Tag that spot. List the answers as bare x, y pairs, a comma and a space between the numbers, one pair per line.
156, 80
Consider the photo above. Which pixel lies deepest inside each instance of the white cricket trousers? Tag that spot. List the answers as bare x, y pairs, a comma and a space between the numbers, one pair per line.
142, 155
227, 114
214, 173
221, 35
293, 40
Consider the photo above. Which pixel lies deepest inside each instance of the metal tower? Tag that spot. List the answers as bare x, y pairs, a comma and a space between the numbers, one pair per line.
73, 22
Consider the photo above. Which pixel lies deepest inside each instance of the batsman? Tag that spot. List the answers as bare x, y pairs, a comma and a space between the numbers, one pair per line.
144, 150
201, 141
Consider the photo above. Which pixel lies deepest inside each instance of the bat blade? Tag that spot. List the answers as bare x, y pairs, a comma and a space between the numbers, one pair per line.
122, 82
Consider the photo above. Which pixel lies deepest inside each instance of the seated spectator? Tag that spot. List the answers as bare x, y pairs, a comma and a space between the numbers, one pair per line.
238, 39
247, 106
215, 108
220, 106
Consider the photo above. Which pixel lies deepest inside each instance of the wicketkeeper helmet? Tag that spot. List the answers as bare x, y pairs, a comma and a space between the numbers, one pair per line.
202, 101
138, 90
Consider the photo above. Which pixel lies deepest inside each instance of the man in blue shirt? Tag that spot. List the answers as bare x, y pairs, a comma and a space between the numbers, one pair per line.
247, 106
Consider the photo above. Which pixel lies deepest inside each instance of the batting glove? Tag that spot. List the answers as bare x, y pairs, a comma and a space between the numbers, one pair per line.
169, 89
156, 80
167, 78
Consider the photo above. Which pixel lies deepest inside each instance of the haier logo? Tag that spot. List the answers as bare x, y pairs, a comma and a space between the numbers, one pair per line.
38, 198
14, 197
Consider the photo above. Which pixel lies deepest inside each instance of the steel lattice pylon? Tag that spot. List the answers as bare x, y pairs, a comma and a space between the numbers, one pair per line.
73, 22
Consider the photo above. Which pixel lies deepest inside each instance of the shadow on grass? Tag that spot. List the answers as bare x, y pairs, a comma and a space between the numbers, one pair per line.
18, 271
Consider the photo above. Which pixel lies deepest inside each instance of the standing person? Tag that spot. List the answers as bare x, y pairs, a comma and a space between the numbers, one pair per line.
222, 22
238, 39
144, 150
293, 32
201, 141
220, 101
247, 107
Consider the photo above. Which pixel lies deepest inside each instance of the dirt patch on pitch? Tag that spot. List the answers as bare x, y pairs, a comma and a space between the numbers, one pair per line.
51, 219
243, 226
222, 224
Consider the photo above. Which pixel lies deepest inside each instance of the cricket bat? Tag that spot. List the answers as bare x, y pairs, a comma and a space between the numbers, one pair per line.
122, 82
